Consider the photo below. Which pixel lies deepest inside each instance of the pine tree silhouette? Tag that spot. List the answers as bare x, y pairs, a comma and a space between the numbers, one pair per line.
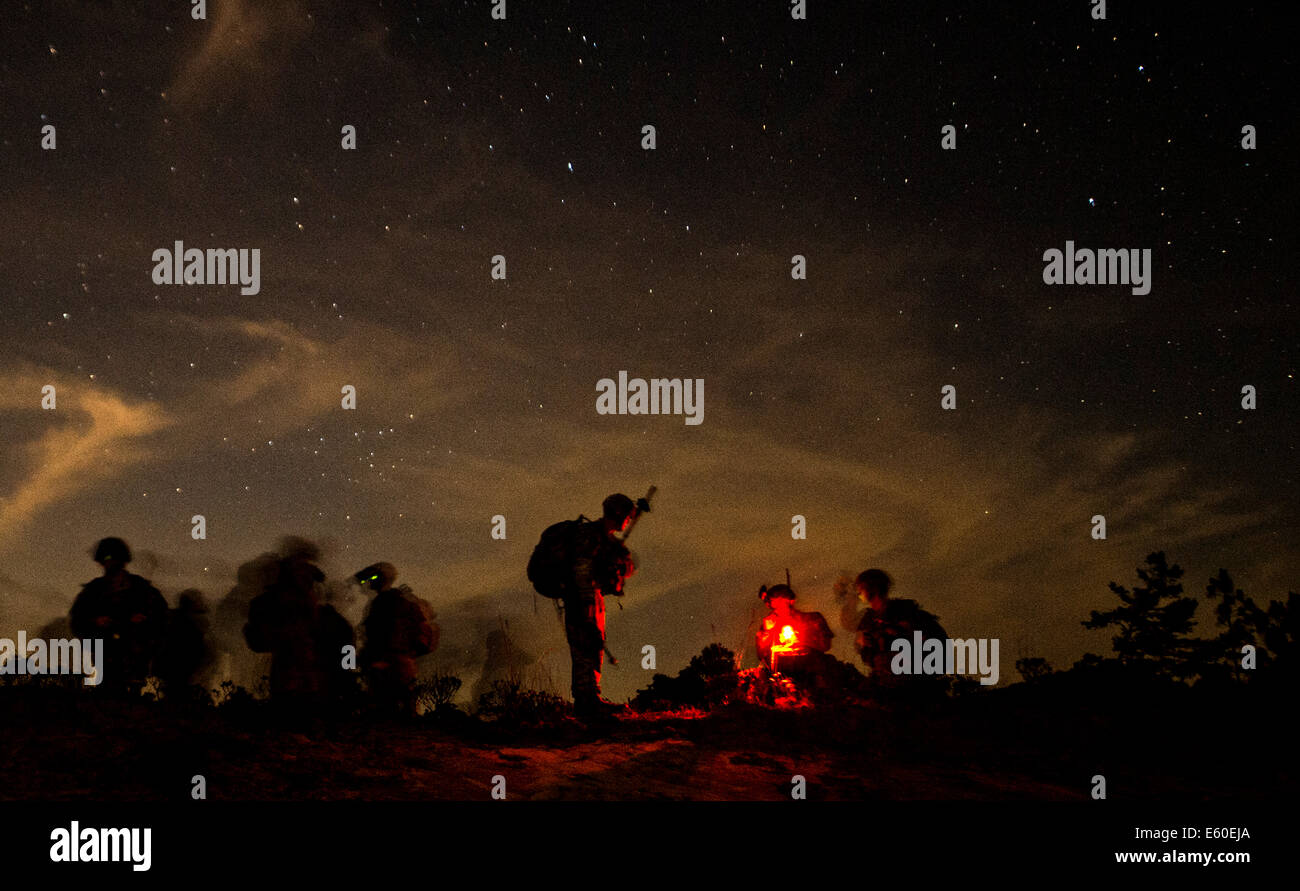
1154, 622
1272, 631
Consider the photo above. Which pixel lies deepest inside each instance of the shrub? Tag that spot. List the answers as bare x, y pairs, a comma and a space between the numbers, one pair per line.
437, 692
508, 702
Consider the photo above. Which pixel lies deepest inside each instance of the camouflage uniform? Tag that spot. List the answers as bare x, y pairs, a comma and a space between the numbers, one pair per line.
284, 621
129, 615
807, 661
398, 629
876, 635
601, 564
810, 629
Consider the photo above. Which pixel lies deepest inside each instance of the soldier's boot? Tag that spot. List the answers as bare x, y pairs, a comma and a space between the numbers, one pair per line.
593, 705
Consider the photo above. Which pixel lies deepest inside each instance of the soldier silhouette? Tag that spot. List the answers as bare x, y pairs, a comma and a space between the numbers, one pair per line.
398, 628
185, 652
601, 564
791, 641
886, 620
284, 620
126, 612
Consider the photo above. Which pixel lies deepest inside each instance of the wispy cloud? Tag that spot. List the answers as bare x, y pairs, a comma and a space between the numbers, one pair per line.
90, 437
245, 44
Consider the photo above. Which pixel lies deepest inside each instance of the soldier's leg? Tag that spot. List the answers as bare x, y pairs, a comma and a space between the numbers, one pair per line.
376, 676
116, 672
407, 673
586, 671
388, 684
571, 634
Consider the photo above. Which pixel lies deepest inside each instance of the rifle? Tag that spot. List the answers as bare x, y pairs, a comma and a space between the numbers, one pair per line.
642, 507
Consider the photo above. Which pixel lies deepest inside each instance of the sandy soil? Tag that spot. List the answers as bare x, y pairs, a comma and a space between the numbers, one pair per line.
59, 748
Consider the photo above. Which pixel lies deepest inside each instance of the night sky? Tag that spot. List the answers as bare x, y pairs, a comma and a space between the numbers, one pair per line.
476, 397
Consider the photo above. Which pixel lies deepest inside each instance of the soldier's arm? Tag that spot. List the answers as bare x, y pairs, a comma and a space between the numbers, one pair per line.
849, 615
824, 634
865, 636
422, 630
622, 567
156, 606
87, 615
78, 617
149, 612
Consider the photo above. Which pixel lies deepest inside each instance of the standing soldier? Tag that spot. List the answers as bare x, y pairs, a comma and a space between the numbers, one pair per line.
578, 563
185, 652
398, 628
126, 612
283, 620
601, 564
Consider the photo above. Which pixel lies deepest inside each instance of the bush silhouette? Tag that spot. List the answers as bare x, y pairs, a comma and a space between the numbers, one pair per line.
709, 679
1033, 668
438, 691
510, 703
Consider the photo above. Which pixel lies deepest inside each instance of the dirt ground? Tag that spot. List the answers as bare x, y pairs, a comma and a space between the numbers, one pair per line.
72, 747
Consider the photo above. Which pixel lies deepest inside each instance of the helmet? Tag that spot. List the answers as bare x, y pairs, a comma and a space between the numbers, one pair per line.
295, 547
378, 575
112, 549
875, 580
618, 507
776, 592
